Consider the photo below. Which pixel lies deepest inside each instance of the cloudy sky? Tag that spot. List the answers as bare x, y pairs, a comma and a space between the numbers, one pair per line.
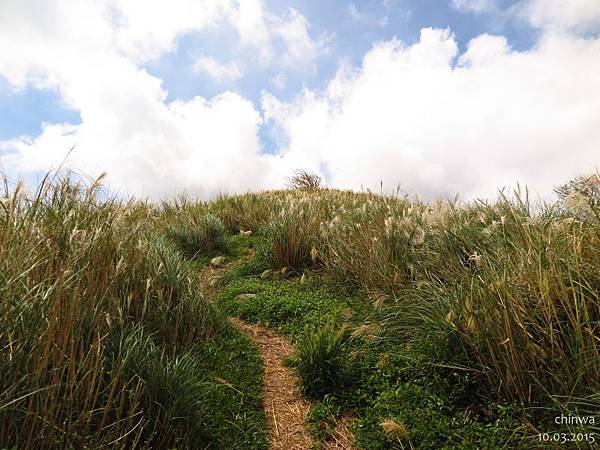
209, 96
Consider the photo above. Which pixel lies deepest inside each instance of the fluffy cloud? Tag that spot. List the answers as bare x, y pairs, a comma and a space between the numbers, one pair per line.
300, 48
90, 52
285, 39
427, 116
153, 149
560, 15
439, 122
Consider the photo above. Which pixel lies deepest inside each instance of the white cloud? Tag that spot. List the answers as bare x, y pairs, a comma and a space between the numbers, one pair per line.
555, 15
300, 50
144, 29
148, 146
424, 115
279, 81
354, 13
250, 21
283, 39
219, 71
90, 52
477, 6
439, 122
560, 15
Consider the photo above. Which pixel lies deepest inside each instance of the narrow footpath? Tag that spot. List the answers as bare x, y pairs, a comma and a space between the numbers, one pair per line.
284, 405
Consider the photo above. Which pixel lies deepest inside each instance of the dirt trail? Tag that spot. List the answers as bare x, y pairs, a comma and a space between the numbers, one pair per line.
284, 405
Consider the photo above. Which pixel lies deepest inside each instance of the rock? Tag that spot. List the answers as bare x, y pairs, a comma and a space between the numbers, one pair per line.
265, 274
217, 261
276, 275
245, 296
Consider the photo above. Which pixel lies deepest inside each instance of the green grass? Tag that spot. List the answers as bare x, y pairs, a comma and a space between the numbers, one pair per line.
324, 363
425, 404
292, 307
234, 410
357, 376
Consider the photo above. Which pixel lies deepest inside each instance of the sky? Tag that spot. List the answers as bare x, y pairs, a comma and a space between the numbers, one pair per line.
441, 97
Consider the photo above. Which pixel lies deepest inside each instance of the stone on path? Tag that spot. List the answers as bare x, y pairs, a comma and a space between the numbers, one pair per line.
265, 274
217, 261
245, 296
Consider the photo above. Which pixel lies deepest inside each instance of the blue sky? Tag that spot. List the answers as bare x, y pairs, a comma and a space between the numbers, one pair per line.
233, 87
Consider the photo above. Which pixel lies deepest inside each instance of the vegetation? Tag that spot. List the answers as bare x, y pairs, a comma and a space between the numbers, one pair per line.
324, 363
303, 179
202, 237
585, 188
431, 325
105, 340
482, 315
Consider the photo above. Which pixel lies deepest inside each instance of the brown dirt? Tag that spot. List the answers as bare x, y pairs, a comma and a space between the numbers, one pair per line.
286, 409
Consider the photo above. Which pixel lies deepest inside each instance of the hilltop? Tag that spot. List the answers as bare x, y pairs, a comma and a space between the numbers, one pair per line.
414, 324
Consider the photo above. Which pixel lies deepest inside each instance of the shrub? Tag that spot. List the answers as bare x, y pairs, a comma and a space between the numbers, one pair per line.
303, 179
586, 186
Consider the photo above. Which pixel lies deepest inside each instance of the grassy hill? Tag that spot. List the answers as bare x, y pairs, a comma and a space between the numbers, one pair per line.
426, 325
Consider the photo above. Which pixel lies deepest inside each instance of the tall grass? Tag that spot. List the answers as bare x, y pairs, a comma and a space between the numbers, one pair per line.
292, 235
323, 362
101, 330
519, 290
99, 325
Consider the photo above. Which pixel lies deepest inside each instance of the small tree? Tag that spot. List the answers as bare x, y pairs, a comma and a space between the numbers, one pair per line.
303, 179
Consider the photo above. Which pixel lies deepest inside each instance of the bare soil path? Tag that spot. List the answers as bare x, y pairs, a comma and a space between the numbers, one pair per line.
285, 408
